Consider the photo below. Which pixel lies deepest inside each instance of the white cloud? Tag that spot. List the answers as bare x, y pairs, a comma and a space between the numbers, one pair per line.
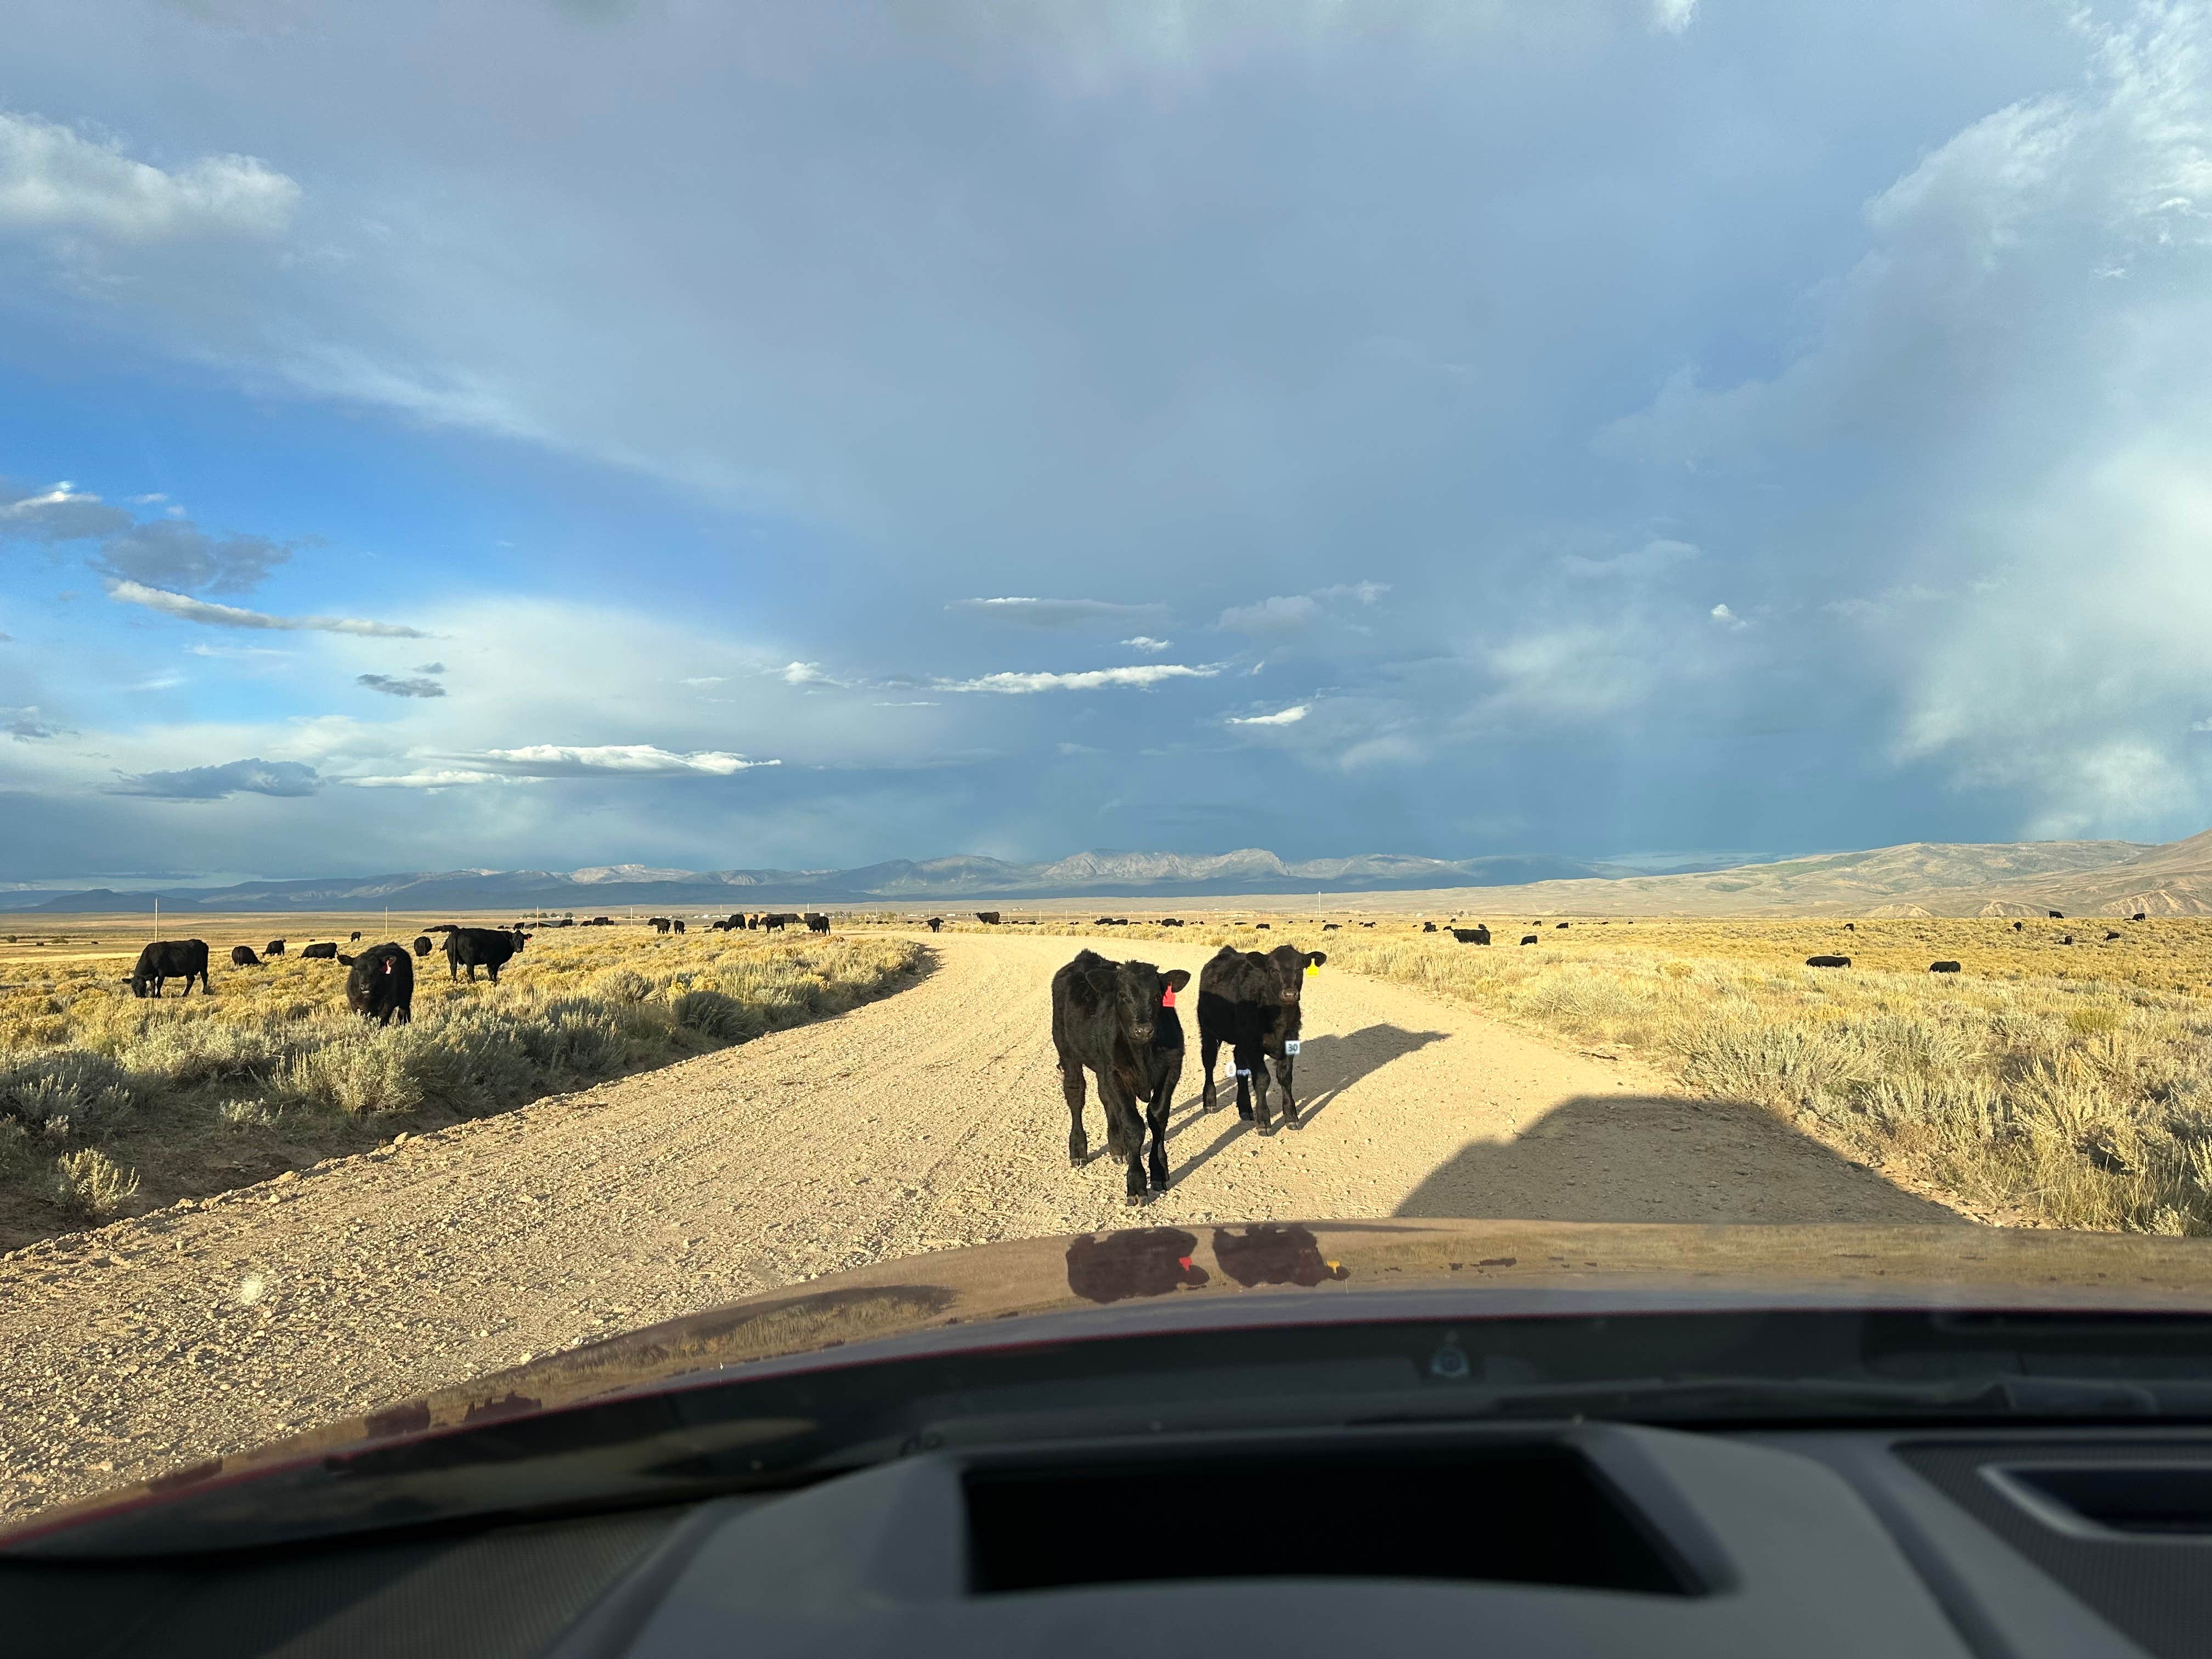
27, 726
1091, 680
61, 513
1673, 16
1060, 613
1290, 716
1286, 612
1726, 617
235, 653
445, 778
55, 180
1654, 558
1145, 643
807, 673
230, 615
704, 680
546, 760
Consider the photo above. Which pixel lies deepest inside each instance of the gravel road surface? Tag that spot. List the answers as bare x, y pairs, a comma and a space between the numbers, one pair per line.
927, 1120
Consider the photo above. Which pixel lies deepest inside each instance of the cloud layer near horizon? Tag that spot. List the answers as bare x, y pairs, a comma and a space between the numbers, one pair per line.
1593, 426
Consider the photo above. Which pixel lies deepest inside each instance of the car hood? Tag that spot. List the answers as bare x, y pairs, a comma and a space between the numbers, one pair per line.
1089, 1286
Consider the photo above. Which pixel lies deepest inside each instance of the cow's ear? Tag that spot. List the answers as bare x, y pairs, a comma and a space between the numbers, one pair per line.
1314, 958
1176, 978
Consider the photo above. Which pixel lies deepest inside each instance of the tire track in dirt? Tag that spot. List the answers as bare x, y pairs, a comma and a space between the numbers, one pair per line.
931, 1119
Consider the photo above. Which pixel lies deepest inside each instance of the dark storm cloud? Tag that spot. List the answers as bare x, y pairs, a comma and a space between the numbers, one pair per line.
252, 777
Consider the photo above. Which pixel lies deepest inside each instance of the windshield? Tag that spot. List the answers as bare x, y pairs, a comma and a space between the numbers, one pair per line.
651, 654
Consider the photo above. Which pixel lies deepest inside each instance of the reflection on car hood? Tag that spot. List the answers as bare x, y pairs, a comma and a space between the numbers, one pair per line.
1097, 1284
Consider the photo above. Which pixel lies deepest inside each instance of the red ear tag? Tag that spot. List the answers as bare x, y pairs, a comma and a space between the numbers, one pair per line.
1167, 998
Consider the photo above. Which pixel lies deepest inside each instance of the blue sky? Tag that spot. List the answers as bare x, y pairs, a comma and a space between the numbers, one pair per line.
554, 434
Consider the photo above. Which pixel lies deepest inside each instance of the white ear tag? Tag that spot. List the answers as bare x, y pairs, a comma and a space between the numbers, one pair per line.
1290, 1046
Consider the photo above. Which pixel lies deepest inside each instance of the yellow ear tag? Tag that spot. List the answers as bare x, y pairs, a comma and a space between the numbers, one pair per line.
1312, 968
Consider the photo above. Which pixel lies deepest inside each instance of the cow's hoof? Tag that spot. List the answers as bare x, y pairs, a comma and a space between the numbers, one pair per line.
1245, 1116
1294, 1123
1268, 1128
1135, 1201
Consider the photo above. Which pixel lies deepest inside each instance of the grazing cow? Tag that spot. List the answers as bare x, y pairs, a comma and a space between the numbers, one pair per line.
164, 960
382, 984
2110, 935
1850, 927
241, 956
356, 939
659, 924
1558, 924
2066, 939
673, 926
772, 924
1263, 927
1171, 921
1330, 926
422, 944
1530, 938
1367, 923
2057, 915
1117, 1020
1251, 1002
815, 922
2017, 925
1471, 935
1942, 967
321, 952
274, 948
1428, 927
488, 948
936, 922
1827, 961
2140, 916
988, 917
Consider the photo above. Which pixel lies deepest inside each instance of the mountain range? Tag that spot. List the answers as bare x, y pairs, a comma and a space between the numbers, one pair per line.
1918, 878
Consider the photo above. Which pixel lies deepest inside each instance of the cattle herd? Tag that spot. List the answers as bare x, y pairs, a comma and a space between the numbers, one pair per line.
1117, 1021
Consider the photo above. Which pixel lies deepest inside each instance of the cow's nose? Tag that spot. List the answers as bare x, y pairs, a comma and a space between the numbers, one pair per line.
1145, 1033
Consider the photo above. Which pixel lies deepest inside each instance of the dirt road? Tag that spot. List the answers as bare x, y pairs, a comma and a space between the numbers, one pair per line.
927, 1120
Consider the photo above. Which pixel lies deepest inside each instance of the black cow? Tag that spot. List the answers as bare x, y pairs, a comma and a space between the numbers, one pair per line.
356, 939
2017, 925
659, 924
1558, 924
1269, 927
1827, 961
2066, 939
936, 922
321, 952
422, 944
1117, 1020
2110, 935
2140, 916
1176, 922
1330, 926
1942, 967
382, 984
167, 958
1251, 1002
275, 948
815, 922
1530, 938
1471, 935
488, 948
1428, 927
241, 956
988, 917
772, 924
673, 926
1850, 927
2057, 915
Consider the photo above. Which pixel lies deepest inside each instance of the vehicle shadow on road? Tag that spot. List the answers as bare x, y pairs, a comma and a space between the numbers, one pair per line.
1325, 1067
1661, 1159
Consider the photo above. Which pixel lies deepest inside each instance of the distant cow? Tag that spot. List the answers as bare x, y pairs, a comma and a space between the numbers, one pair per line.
1251, 1002
274, 948
2066, 939
166, 959
1471, 935
1263, 927
1117, 1020
659, 924
356, 939
488, 948
1827, 961
988, 917
815, 922
936, 922
1942, 967
1531, 939
676, 926
2140, 916
2017, 925
2110, 935
1428, 927
1558, 924
1330, 926
2057, 915
1850, 927
382, 984
422, 944
321, 952
241, 956
1171, 921
772, 924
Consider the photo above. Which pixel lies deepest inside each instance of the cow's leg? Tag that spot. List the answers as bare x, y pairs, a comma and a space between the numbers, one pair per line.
1254, 1062
1209, 1051
1162, 1102
491, 968
1281, 1065
1124, 1137
1071, 1086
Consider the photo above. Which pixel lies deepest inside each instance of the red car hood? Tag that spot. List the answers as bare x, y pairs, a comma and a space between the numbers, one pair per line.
1100, 1285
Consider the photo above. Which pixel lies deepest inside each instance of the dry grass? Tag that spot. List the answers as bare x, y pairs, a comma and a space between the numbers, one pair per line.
109, 1104
2046, 1083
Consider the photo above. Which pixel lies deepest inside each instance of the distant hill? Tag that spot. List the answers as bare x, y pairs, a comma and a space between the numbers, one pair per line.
611, 887
2084, 877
